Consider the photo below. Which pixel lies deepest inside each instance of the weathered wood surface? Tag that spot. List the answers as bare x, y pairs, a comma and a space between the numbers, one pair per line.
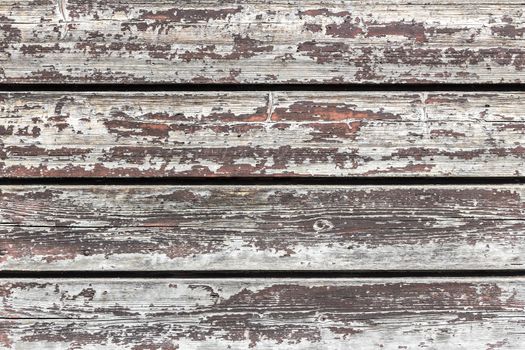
109, 134
263, 314
260, 41
261, 227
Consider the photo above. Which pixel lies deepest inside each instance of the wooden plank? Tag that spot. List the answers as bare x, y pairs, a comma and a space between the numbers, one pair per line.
215, 314
111, 134
260, 41
261, 227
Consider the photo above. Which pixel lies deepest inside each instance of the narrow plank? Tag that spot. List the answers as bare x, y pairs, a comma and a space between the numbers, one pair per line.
110, 134
260, 41
263, 314
262, 227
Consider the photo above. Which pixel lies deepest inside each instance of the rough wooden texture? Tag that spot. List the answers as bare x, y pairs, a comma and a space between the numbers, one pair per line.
263, 314
261, 227
107, 134
259, 41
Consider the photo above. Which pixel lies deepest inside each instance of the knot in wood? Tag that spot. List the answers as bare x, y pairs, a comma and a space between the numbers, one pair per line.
323, 225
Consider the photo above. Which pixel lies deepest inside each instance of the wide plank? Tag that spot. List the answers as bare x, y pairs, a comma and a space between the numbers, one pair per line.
261, 41
277, 133
462, 313
262, 227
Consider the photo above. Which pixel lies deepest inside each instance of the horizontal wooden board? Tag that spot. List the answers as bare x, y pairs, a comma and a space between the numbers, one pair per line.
261, 227
261, 41
263, 314
111, 134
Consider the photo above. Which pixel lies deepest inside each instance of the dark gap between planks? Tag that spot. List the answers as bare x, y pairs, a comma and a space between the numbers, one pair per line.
260, 180
24, 87
276, 274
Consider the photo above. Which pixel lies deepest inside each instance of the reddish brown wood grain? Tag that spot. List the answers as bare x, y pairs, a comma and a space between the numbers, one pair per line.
159, 134
261, 227
256, 41
70, 229
463, 313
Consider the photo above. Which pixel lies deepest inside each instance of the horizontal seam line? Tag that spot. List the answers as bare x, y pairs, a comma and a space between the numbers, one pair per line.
210, 274
195, 87
265, 180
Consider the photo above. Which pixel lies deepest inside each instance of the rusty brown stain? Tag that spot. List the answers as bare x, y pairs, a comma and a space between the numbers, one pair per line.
350, 28
508, 30
448, 133
334, 131
324, 13
311, 111
129, 128
311, 27
413, 30
323, 52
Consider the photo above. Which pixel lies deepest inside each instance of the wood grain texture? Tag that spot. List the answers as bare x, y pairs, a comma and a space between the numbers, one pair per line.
261, 41
261, 227
263, 314
110, 134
